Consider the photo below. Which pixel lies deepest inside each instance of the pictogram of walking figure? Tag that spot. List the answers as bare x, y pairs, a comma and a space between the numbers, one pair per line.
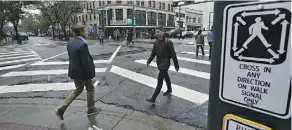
255, 30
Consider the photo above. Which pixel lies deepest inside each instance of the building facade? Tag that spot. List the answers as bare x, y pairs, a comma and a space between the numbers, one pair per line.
115, 14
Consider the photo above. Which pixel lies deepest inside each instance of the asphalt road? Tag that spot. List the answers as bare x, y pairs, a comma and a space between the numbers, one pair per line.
39, 69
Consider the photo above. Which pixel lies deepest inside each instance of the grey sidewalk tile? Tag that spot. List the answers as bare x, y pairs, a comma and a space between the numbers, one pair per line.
80, 121
158, 121
127, 124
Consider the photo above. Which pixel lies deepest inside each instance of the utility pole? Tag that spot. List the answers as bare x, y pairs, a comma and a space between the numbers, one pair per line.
133, 20
179, 9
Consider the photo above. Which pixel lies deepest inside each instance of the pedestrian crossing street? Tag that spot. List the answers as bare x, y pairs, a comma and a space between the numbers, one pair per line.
190, 67
183, 91
11, 58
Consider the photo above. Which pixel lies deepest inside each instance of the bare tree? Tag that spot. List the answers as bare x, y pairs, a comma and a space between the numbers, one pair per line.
47, 10
60, 13
64, 14
14, 12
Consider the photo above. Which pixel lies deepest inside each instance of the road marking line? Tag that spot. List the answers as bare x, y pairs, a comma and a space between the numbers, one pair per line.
179, 91
38, 87
43, 72
53, 56
193, 53
11, 67
194, 60
8, 55
114, 54
36, 54
195, 73
14, 52
9, 58
15, 61
95, 83
67, 62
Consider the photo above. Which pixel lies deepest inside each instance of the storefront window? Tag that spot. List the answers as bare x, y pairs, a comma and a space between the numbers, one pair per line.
119, 14
129, 13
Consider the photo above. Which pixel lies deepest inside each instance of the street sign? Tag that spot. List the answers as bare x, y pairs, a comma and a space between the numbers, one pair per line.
232, 122
256, 57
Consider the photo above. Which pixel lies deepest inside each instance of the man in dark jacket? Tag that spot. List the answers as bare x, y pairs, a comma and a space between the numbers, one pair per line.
81, 70
164, 50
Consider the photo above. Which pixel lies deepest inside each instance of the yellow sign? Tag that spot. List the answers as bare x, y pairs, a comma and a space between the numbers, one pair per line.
233, 122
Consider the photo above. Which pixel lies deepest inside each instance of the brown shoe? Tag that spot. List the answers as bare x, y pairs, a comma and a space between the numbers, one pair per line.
93, 111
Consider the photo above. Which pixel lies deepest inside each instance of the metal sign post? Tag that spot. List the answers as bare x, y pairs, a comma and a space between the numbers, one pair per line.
251, 68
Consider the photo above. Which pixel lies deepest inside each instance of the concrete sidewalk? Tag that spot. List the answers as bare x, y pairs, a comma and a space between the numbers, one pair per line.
37, 113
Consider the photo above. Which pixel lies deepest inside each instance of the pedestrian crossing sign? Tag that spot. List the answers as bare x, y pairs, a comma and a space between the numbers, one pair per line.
256, 49
261, 35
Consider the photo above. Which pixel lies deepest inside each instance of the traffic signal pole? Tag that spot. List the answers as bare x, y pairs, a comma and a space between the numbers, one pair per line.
133, 20
179, 13
234, 103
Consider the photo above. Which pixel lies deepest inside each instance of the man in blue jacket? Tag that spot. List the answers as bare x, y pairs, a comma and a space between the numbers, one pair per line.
81, 70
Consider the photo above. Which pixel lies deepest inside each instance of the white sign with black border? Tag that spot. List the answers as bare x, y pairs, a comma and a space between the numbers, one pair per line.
256, 57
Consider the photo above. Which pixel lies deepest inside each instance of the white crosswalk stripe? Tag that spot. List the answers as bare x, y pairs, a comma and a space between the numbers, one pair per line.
179, 91
194, 60
34, 72
181, 70
39, 87
193, 53
43, 72
11, 58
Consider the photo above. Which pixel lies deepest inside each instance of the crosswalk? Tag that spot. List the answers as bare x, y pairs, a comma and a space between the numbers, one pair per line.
192, 84
187, 90
41, 69
11, 58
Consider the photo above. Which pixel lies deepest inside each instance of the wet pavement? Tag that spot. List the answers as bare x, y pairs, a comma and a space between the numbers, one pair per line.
37, 114
123, 78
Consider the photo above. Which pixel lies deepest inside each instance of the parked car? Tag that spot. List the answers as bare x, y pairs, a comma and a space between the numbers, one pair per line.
23, 36
186, 34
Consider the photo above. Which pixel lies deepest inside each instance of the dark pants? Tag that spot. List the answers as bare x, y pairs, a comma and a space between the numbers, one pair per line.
118, 38
210, 45
163, 74
101, 41
197, 49
129, 41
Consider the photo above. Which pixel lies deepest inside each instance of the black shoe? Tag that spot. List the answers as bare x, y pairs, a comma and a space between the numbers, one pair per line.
151, 100
167, 93
59, 114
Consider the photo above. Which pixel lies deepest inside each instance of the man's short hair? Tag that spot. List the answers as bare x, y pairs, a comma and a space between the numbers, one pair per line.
160, 28
78, 29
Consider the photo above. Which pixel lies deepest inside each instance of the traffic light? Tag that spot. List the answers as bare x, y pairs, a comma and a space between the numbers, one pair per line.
175, 4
